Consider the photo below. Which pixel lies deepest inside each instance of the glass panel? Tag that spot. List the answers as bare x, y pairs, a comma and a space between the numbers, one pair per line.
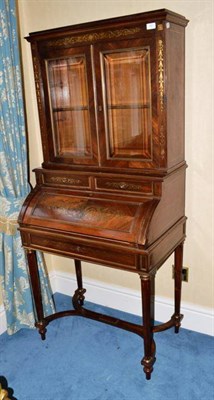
70, 106
128, 103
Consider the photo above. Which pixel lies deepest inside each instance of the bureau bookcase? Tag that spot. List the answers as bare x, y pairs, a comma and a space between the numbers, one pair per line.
111, 189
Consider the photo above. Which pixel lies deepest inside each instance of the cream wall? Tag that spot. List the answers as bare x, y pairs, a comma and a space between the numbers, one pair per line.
43, 14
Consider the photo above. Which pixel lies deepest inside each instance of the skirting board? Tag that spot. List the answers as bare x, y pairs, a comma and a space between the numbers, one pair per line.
199, 319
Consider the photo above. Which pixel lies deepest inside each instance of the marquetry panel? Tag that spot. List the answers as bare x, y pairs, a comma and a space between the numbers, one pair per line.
74, 181
93, 37
85, 212
124, 185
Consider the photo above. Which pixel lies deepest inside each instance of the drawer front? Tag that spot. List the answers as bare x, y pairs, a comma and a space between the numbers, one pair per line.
124, 185
65, 247
74, 181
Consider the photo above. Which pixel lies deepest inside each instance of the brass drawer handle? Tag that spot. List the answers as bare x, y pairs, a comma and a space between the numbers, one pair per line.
123, 186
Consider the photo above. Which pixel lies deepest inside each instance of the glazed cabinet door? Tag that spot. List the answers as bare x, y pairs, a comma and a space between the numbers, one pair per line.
127, 103
70, 133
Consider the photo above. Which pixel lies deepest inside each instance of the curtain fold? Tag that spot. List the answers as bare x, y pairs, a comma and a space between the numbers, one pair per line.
14, 185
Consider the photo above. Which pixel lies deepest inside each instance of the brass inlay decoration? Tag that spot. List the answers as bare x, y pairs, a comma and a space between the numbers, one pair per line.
86, 212
37, 84
77, 209
123, 185
162, 142
59, 179
36, 74
91, 37
161, 73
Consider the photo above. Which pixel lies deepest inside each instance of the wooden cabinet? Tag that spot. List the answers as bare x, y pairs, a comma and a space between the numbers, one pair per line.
112, 185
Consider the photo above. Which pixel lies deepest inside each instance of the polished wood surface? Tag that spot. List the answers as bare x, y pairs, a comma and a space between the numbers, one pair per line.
111, 189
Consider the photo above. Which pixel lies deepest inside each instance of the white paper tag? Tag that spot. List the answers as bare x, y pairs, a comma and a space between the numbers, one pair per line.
151, 25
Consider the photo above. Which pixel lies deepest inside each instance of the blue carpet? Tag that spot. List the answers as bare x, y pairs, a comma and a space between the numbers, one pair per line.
84, 359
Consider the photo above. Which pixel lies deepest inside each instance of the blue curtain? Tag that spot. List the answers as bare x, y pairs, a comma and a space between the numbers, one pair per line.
14, 186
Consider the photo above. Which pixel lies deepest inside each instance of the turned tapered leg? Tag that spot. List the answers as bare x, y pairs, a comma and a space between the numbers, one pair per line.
78, 269
148, 293
178, 284
36, 289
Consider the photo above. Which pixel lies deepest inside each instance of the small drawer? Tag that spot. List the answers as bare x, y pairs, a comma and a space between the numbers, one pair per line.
91, 253
74, 181
124, 185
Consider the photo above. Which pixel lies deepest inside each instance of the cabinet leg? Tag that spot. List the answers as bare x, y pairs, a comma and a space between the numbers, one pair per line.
148, 293
78, 269
36, 290
178, 284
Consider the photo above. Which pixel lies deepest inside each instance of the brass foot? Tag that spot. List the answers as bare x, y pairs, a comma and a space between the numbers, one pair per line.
178, 318
148, 363
41, 326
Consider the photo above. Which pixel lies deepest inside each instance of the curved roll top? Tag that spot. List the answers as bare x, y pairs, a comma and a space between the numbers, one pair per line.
120, 220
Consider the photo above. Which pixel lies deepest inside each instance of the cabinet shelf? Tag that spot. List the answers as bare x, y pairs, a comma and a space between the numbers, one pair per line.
128, 106
76, 108
110, 107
